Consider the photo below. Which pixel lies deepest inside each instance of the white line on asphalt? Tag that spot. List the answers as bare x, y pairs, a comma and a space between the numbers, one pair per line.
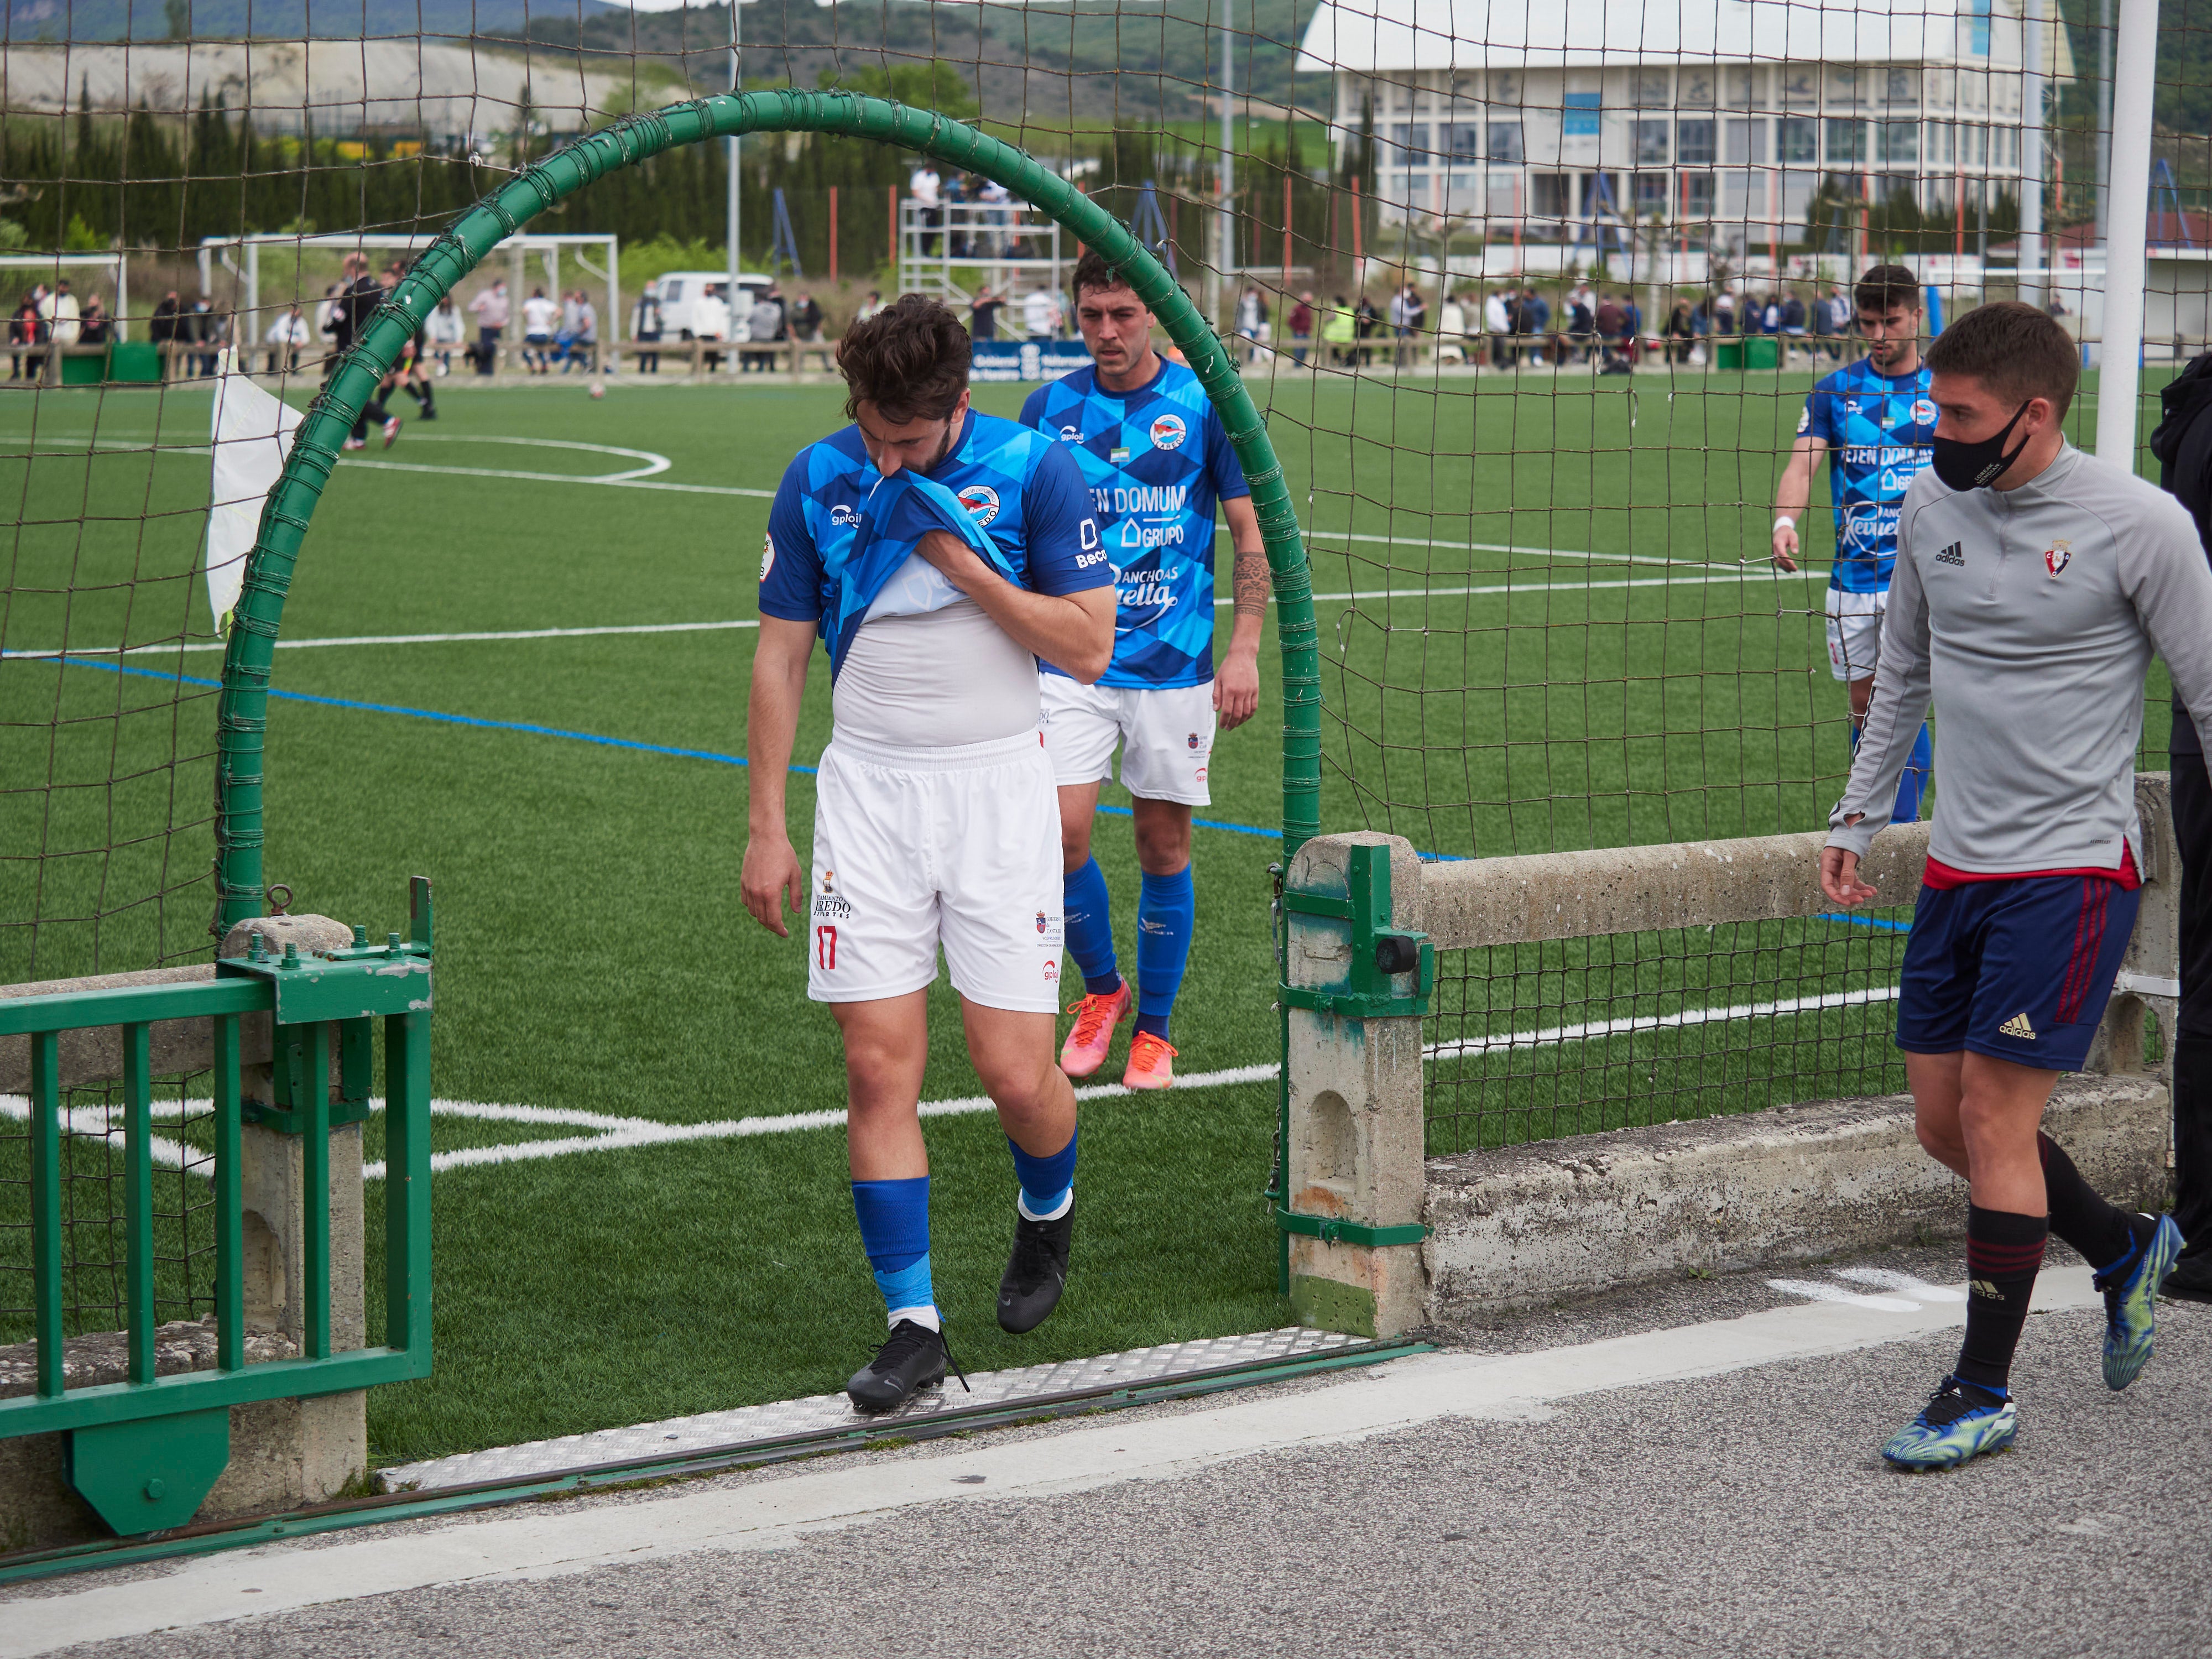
776, 1511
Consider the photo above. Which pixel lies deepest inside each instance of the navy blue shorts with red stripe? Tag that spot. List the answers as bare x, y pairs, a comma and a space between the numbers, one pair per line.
2017, 969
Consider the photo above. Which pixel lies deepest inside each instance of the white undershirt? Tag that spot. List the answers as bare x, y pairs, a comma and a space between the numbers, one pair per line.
930, 670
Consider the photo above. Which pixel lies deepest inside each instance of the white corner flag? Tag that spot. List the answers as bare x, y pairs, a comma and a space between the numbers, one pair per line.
253, 430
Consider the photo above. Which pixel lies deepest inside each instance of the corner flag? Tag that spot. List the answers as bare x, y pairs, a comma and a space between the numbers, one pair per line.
253, 430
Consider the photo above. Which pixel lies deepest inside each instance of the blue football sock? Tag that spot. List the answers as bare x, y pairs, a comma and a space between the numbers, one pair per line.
894, 1219
1165, 905
1091, 928
1914, 780
1048, 1184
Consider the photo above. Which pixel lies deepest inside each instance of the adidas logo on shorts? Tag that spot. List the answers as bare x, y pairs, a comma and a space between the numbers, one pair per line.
2017, 1026
1955, 553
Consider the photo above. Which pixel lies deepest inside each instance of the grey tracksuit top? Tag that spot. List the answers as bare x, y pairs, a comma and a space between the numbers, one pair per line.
2031, 615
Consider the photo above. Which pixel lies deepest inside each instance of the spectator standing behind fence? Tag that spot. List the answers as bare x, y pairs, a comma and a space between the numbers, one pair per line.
59, 313
1302, 327
1409, 315
1339, 333
806, 320
2035, 660
1498, 323
923, 185
763, 327
645, 329
1039, 314
1612, 323
1451, 330
92, 323
288, 337
490, 310
983, 314
1681, 333
23, 329
869, 307
2183, 444
441, 332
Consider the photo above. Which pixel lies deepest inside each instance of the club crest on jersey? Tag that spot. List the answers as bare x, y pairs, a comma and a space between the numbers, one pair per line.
1924, 411
1168, 432
843, 516
767, 556
2056, 557
981, 503
1042, 923
1193, 739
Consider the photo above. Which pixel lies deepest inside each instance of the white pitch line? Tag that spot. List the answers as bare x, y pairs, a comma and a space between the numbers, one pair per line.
399, 639
1461, 1048
533, 1541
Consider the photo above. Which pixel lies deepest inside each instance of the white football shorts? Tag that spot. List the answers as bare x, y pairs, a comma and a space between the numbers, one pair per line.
1853, 632
921, 848
1166, 737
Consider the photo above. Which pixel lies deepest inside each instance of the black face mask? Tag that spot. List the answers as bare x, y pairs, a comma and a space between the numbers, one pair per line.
1963, 465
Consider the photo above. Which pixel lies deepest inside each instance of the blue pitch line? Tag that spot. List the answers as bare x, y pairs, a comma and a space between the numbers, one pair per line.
1885, 925
630, 744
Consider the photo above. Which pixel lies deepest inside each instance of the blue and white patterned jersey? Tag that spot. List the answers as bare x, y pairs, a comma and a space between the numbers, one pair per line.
826, 563
1880, 432
1156, 459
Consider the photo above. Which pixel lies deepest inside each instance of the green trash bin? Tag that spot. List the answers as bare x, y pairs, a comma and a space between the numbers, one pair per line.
136, 361
83, 371
1727, 354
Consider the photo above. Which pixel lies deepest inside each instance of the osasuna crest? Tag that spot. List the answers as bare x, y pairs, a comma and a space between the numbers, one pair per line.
767, 556
1168, 432
2057, 556
981, 503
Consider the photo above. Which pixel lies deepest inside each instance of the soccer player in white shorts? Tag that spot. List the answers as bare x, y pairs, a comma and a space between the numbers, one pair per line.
1876, 421
1157, 460
936, 552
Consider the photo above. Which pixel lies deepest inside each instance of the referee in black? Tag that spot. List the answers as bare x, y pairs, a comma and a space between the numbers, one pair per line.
2183, 444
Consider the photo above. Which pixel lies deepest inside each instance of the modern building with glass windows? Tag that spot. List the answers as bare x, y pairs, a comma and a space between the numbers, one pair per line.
1725, 115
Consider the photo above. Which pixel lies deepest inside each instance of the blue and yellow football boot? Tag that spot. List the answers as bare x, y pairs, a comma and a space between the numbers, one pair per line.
2131, 1302
1960, 1421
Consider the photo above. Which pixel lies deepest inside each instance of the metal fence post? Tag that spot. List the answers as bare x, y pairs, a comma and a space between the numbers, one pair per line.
1358, 975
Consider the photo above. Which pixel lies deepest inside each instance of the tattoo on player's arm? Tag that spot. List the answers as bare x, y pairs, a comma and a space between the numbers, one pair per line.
1252, 583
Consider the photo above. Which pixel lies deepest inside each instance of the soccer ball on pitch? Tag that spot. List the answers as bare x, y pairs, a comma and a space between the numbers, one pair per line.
598, 389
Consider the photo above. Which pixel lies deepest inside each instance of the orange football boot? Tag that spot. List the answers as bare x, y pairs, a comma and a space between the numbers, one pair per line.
1152, 1062
1095, 1017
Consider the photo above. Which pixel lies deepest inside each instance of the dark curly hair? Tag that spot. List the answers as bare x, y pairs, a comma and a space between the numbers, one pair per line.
910, 360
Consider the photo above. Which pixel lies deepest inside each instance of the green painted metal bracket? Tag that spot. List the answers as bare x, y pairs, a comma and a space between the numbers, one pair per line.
1331, 1231
242, 709
1393, 970
149, 1473
352, 982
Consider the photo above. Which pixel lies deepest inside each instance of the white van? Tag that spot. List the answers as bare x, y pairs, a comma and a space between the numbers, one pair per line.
679, 292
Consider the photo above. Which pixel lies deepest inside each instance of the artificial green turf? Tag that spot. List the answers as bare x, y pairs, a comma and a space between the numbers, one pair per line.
594, 955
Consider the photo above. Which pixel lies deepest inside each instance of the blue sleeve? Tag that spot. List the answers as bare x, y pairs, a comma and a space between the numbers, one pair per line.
791, 567
1065, 552
1223, 469
1814, 423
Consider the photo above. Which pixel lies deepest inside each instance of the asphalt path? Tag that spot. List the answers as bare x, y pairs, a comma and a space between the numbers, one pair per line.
1687, 1471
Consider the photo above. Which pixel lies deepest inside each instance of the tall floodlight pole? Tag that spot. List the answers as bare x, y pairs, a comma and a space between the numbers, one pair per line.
736, 84
2033, 285
2119, 362
1228, 259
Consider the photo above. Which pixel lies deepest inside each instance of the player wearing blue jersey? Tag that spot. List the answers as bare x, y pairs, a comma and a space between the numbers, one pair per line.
1875, 421
1158, 462
938, 553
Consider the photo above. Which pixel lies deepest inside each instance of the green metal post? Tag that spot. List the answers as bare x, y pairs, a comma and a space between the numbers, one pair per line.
407, 1180
313, 1103
46, 1206
139, 1198
229, 1203
242, 710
